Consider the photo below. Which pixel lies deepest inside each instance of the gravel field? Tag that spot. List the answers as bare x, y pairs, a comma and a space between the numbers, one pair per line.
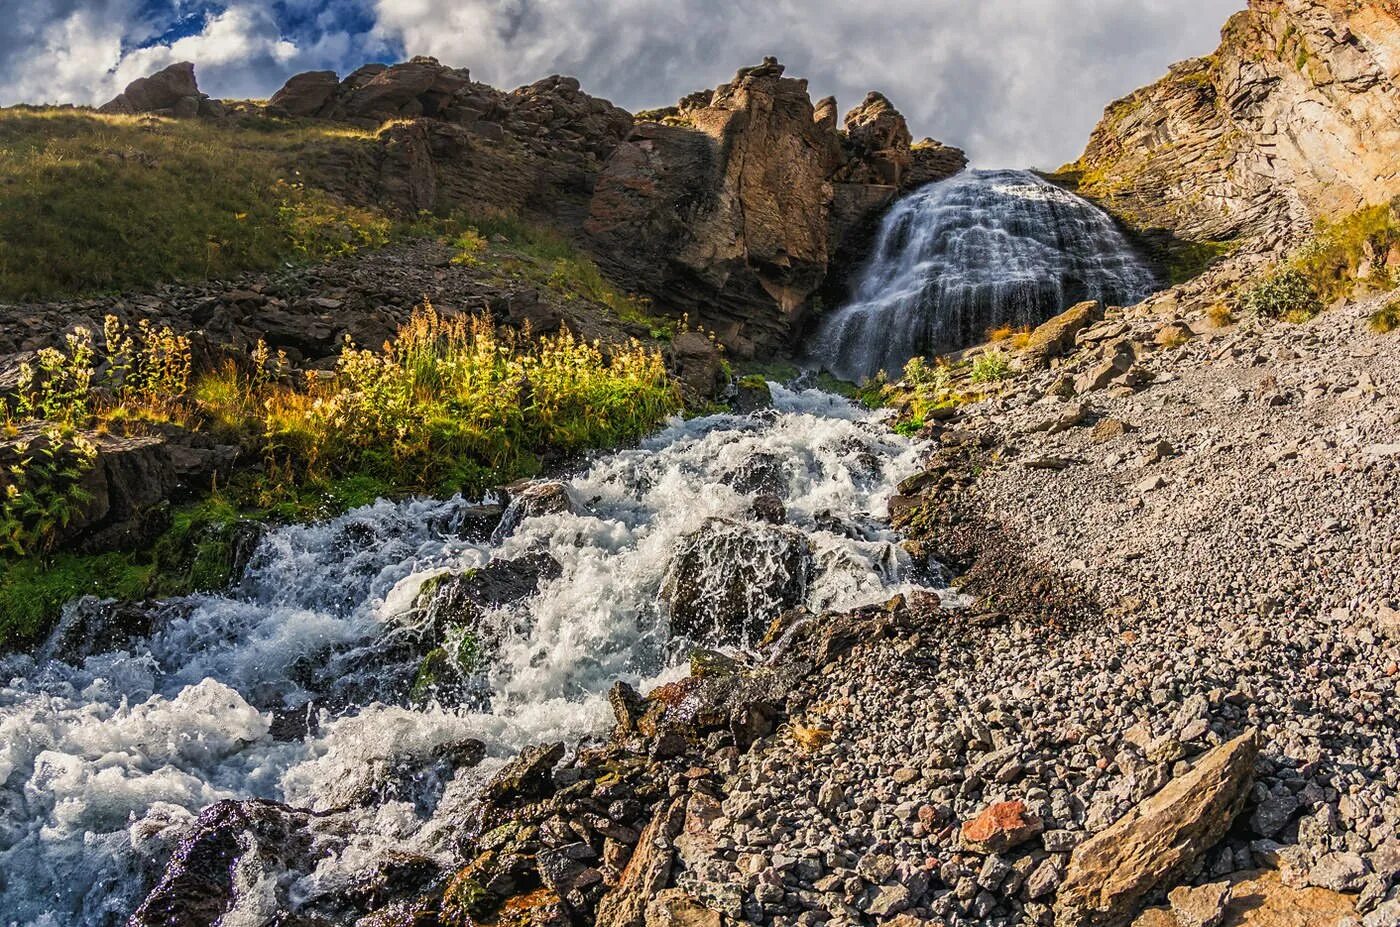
1236, 517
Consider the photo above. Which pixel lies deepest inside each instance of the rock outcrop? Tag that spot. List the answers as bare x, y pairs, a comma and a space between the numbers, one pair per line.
169, 92
735, 204
444, 141
1296, 116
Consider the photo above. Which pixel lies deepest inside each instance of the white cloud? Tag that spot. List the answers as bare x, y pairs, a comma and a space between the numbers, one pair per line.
1014, 81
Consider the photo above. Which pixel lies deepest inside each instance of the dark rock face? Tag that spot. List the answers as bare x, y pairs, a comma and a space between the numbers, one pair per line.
734, 209
452, 142
198, 884
728, 580
128, 485
170, 92
1297, 115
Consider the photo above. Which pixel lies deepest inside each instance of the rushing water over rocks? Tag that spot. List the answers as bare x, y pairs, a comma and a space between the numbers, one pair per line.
298, 685
965, 255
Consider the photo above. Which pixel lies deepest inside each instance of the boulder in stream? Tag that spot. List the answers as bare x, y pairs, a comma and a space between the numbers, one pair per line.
727, 580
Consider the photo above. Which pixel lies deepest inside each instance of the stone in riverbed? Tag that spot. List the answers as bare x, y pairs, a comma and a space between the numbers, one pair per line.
727, 580
525, 777
1155, 842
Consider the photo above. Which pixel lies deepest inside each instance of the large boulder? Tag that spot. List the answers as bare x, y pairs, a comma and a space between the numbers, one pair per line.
225, 850
728, 580
170, 92
305, 94
1057, 335
1111, 874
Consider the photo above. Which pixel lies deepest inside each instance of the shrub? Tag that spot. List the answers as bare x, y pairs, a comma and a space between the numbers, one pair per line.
145, 375
1348, 253
43, 489
991, 366
470, 245
449, 400
1386, 319
1220, 315
1286, 293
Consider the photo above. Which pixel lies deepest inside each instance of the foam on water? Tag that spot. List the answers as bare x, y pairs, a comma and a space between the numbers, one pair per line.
103, 764
962, 256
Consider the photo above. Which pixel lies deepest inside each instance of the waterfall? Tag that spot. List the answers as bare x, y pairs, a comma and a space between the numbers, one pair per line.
294, 684
969, 254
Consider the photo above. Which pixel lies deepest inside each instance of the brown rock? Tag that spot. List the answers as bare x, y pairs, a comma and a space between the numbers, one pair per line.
1056, 337
1111, 873
736, 209
172, 90
305, 94
698, 364
674, 908
1296, 116
1000, 827
646, 873
1199, 906
1262, 899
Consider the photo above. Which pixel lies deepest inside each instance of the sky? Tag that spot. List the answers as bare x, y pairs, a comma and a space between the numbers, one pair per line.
1014, 82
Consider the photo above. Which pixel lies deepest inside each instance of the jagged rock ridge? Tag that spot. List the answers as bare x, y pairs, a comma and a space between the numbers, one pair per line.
736, 203
1296, 116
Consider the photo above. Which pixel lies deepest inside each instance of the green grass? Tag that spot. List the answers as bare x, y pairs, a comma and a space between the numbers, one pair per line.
93, 203
514, 247
1186, 260
1386, 319
1329, 266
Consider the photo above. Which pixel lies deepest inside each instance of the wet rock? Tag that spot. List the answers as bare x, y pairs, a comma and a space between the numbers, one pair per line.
727, 580
1111, 873
525, 777
761, 474
752, 394
769, 508
530, 501
461, 599
227, 844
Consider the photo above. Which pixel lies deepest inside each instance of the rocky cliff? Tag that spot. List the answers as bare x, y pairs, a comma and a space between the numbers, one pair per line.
735, 203
738, 205
1295, 117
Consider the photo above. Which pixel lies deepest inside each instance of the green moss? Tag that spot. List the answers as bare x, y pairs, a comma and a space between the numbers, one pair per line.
1186, 260
33, 591
776, 371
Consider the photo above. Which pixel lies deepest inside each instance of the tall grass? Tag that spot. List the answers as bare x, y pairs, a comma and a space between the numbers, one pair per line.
450, 400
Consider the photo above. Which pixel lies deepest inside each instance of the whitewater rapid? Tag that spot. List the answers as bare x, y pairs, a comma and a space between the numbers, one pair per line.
288, 686
963, 256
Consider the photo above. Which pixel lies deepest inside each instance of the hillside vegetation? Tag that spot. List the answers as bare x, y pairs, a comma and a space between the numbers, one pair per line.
94, 202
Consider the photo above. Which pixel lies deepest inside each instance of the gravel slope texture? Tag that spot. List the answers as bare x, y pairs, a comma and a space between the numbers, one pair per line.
1224, 512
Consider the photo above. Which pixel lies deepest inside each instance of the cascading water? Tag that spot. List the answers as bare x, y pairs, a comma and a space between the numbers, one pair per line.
972, 253
292, 686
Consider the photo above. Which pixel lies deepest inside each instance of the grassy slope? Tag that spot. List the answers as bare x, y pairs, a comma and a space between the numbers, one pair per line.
92, 203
